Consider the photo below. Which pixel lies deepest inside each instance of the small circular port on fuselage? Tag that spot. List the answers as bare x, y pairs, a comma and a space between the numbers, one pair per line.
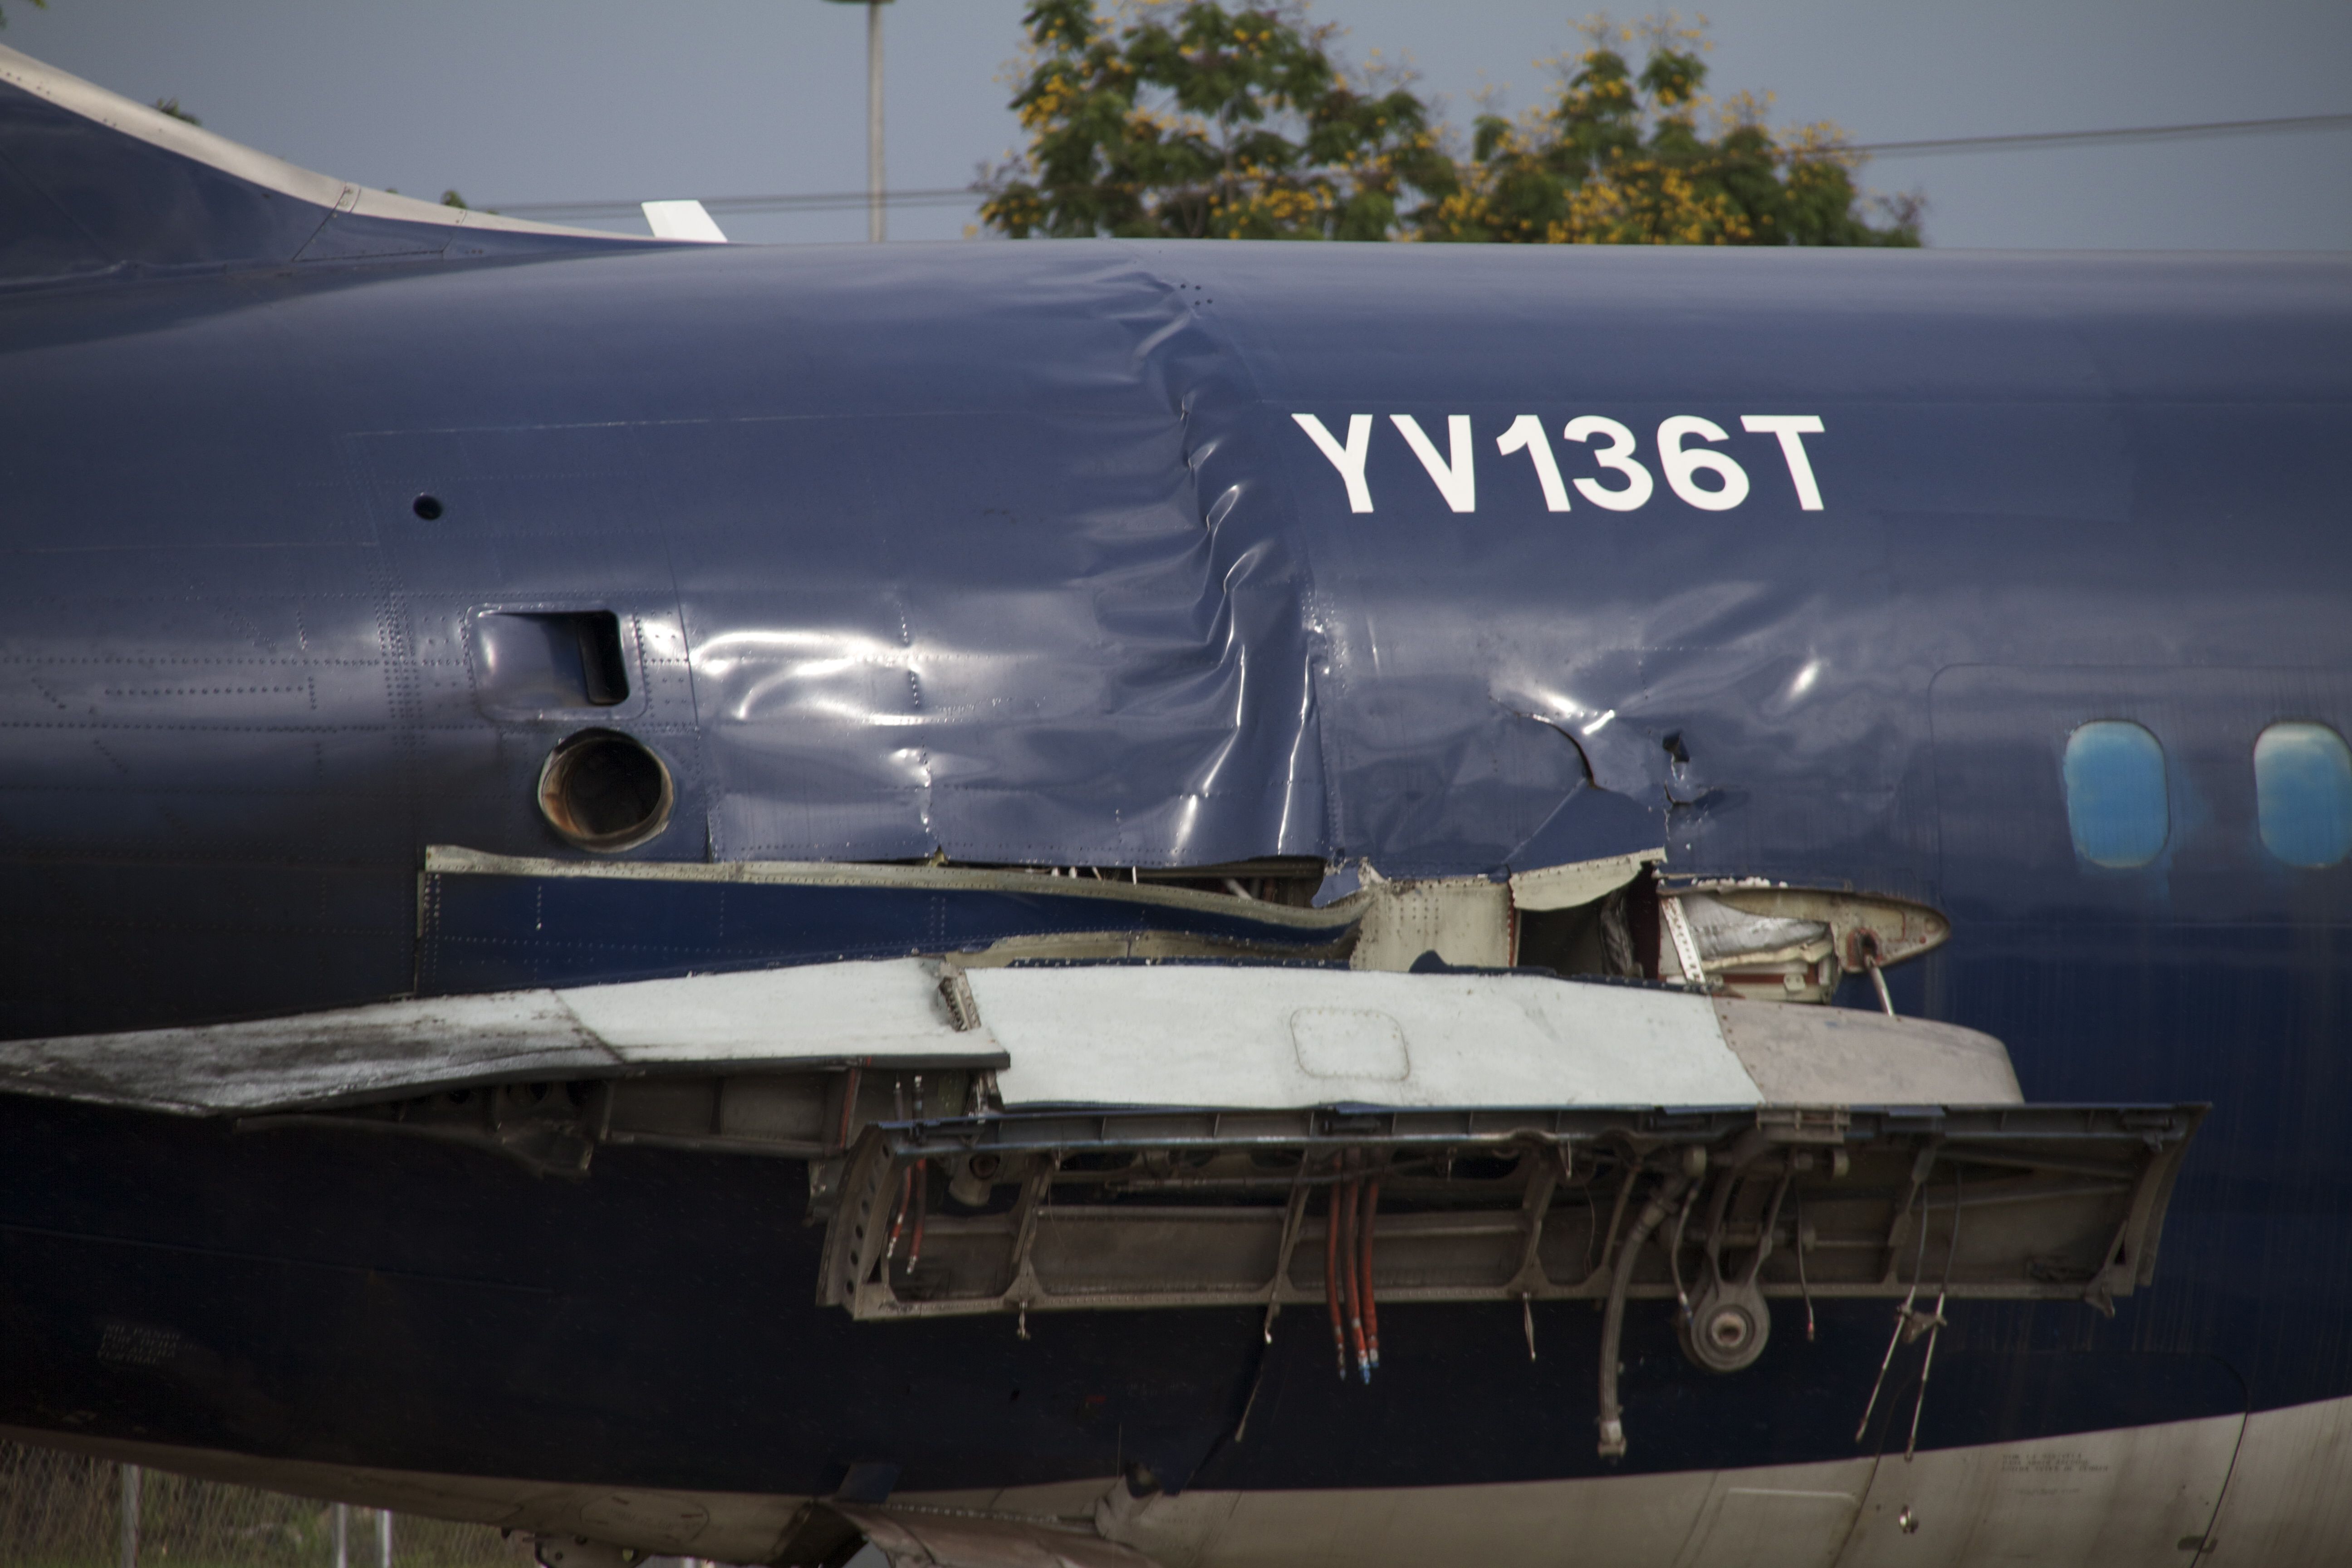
605, 791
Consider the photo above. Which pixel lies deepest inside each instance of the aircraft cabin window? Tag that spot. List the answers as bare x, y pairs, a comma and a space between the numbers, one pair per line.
2115, 801
2302, 793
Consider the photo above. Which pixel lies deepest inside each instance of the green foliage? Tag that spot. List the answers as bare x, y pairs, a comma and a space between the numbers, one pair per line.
171, 106
1184, 119
1187, 120
1621, 157
452, 199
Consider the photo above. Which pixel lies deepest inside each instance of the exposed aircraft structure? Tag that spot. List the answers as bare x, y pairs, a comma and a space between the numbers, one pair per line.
1199, 905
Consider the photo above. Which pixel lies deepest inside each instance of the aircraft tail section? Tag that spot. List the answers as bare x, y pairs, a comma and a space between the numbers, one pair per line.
92, 184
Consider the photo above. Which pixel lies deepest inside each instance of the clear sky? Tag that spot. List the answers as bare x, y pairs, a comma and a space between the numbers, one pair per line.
530, 101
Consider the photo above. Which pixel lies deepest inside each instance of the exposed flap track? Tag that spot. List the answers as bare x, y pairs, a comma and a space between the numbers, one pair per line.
1124, 1210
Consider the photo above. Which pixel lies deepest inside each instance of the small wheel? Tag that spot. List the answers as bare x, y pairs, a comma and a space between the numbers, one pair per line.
1726, 1329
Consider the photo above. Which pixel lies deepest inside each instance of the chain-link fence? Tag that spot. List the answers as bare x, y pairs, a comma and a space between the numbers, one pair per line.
63, 1510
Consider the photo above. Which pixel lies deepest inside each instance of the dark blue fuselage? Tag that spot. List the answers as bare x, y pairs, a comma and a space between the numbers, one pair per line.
1020, 554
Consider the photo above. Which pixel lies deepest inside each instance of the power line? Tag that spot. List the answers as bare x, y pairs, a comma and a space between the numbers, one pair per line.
850, 200
819, 201
2125, 133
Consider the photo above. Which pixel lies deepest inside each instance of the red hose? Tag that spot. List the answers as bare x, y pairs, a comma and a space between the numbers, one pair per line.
848, 1109
1347, 1279
1331, 1279
1364, 1289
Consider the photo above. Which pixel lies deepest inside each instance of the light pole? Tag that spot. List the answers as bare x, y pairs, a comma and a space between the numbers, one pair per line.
128, 1545
876, 231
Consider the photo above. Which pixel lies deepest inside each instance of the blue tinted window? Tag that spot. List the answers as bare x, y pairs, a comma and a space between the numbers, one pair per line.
2303, 790
2114, 794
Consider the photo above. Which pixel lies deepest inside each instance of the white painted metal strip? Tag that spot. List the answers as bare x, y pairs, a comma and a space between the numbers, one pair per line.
1269, 1036
1678, 924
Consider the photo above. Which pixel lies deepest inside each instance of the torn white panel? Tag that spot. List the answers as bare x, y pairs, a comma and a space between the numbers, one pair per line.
813, 1013
1578, 882
349, 1053
1765, 941
1736, 920
1217, 1035
682, 220
1724, 933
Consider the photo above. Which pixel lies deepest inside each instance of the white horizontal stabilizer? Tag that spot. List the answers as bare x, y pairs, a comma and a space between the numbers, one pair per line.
682, 220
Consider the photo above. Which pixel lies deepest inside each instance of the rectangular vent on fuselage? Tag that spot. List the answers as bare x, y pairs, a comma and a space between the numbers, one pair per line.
531, 662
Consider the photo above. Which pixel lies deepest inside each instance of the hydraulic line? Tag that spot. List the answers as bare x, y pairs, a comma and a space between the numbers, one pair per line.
1331, 1277
848, 1108
1936, 1330
1805, 1288
906, 1187
1348, 1199
1364, 1287
920, 1183
1613, 1323
1617, 1213
1902, 1318
920, 1178
898, 1222
1675, 1253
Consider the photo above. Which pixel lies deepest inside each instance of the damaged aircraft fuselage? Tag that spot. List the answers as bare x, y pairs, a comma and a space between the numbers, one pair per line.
652, 885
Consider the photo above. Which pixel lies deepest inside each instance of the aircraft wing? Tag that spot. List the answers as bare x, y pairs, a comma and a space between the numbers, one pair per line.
94, 185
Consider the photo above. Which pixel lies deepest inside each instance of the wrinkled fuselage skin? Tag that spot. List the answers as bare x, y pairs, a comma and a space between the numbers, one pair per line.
1021, 554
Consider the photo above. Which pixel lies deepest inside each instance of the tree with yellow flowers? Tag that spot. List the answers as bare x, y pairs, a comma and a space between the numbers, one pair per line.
1191, 120
1620, 158
1184, 119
